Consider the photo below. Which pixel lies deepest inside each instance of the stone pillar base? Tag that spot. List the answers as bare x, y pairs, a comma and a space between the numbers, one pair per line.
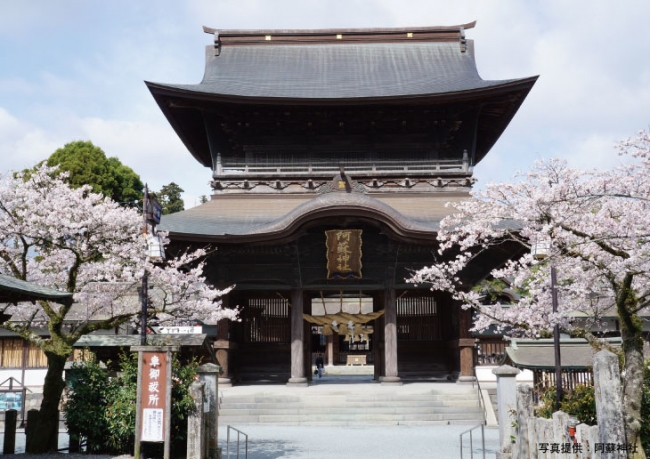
391, 381
466, 380
224, 382
298, 382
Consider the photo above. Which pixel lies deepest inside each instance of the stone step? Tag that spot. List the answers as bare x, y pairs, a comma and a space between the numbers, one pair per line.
424, 404
358, 418
346, 410
330, 398
355, 404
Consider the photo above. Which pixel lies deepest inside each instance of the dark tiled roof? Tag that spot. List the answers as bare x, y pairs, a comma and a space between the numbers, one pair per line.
98, 340
13, 290
266, 215
343, 71
575, 353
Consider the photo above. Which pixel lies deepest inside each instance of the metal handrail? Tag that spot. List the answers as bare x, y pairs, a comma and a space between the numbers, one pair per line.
471, 441
480, 396
228, 442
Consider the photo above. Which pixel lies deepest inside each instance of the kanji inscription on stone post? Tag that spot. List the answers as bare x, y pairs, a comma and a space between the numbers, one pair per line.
343, 253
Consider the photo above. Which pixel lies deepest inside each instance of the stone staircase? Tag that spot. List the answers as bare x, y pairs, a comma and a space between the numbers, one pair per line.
350, 405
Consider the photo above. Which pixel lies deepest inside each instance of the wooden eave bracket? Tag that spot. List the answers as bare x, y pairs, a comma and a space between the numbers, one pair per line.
217, 43
463, 41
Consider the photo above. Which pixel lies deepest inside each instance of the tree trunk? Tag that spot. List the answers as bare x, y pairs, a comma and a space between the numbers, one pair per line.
48, 419
631, 334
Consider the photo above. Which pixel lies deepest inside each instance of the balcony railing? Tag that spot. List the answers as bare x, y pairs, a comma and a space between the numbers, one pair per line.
354, 168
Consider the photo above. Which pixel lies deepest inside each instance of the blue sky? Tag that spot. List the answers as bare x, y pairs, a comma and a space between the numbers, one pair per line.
75, 70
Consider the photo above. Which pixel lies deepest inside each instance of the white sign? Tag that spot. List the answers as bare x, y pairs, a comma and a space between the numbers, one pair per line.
178, 330
152, 425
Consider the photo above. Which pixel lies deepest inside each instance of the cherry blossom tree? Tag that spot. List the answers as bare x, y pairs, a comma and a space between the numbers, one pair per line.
595, 226
77, 241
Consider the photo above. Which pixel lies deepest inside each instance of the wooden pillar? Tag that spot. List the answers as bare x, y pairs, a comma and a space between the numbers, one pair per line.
330, 350
378, 336
466, 348
306, 346
390, 335
223, 349
297, 340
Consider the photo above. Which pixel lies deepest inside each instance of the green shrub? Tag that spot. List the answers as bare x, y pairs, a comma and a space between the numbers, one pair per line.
579, 403
103, 410
121, 408
86, 403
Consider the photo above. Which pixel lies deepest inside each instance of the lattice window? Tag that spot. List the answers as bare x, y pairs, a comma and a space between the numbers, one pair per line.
418, 319
490, 351
36, 358
13, 350
266, 320
11, 355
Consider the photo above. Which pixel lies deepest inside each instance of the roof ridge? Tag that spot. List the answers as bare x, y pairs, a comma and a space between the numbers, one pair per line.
356, 31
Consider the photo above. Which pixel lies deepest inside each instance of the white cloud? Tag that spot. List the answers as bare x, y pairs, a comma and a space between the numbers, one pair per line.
76, 71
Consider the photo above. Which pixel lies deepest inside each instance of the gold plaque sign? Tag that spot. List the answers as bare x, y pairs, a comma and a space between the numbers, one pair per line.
343, 254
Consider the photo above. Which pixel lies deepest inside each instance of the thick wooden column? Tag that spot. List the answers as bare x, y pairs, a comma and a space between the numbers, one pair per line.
223, 348
330, 350
390, 336
466, 348
297, 340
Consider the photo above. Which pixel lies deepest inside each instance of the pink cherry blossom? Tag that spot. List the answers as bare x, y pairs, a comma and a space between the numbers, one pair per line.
598, 226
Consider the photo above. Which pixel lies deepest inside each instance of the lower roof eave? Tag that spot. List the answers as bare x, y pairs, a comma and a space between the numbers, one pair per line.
193, 92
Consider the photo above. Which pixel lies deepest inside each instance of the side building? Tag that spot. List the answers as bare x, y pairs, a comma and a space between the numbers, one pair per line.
332, 156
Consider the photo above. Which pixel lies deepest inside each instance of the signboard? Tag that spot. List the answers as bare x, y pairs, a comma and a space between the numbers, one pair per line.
178, 330
11, 400
154, 394
153, 211
343, 254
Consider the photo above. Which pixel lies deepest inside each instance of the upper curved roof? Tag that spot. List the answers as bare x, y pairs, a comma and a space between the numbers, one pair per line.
241, 218
314, 65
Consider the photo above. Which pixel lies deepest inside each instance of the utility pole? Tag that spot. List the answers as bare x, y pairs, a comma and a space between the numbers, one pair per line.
144, 292
556, 341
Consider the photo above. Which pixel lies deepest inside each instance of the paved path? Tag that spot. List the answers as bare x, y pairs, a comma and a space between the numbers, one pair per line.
372, 442
368, 442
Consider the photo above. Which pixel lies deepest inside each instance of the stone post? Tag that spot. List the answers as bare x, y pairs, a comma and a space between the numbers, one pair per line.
582, 437
9, 445
195, 433
506, 402
209, 375
32, 420
561, 432
593, 439
609, 404
525, 413
297, 341
532, 438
